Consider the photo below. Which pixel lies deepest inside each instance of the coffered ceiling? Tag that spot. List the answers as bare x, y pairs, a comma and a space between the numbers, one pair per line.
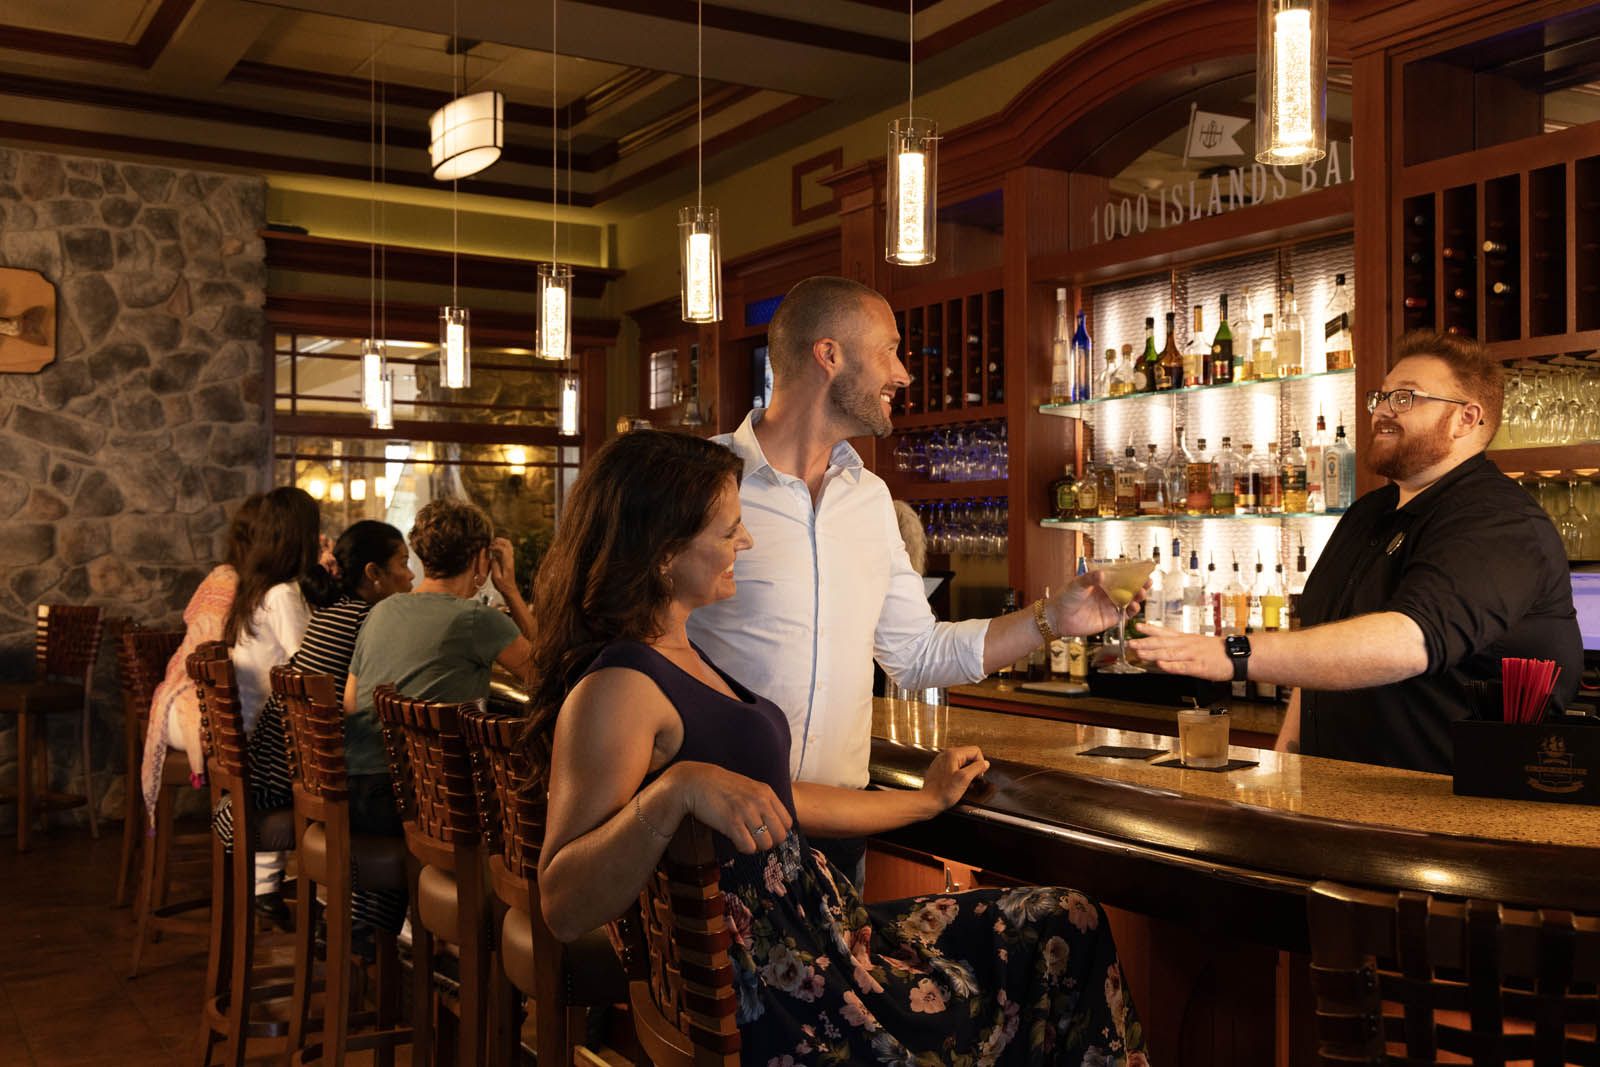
308, 86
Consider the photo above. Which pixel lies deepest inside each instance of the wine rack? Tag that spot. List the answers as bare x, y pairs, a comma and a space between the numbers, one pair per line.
954, 350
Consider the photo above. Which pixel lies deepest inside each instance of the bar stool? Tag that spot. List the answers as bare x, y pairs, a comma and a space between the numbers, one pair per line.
341, 862
66, 642
565, 981
675, 951
1476, 979
238, 987
448, 872
142, 657
138, 688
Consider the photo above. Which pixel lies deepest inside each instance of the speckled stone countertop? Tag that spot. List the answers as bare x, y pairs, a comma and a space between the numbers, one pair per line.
1258, 718
1350, 793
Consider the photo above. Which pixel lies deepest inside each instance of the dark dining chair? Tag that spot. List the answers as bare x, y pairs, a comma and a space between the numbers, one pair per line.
1410, 978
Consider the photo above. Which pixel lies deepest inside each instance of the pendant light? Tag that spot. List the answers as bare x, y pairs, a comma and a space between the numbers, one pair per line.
555, 277
1292, 82
465, 136
383, 407
455, 343
699, 231
373, 355
568, 426
909, 236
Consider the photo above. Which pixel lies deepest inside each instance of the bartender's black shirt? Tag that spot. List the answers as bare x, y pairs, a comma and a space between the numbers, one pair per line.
1479, 567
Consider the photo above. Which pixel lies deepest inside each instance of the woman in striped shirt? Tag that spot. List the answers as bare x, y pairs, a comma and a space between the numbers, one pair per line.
372, 563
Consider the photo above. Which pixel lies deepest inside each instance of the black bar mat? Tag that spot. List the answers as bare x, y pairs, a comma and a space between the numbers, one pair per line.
1232, 765
1123, 752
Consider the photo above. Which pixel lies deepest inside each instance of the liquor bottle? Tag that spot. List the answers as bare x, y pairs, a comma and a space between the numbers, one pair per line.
1214, 600
1009, 604
1082, 355
1129, 483
1269, 481
1244, 353
1063, 500
1235, 604
1176, 469
1088, 491
1222, 490
1294, 477
1057, 651
1341, 315
1339, 473
1297, 586
1151, 358
1116, 383
1153, 499
1222, 347
1245, 483
1078, 659
1106, 491
1266, 359
1197, 489
1133, 369
1315, 501
1257, 586
1155, 602
1172, 587
1272, 602
1197, 361
1286, 340
1194, 597
1171, 358
1062, 386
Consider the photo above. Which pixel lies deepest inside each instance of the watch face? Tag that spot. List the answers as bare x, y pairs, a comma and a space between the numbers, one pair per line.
1237, 645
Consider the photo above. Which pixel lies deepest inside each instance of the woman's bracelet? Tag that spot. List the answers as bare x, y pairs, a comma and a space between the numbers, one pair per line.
639, 812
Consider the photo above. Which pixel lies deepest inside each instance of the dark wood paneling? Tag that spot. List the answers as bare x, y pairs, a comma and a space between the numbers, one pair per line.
757, 24
1435, 120
799, 214
465, 433
352, 259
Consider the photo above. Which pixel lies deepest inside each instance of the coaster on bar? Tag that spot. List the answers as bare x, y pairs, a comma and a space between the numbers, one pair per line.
1123, 752
1232, 765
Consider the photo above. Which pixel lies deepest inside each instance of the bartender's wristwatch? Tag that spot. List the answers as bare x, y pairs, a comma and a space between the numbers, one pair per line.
1238, 648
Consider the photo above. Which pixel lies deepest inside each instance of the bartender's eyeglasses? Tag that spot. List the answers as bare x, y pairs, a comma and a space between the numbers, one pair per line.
1400, 400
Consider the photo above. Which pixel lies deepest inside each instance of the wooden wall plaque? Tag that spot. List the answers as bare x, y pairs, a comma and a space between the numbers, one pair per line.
27, 321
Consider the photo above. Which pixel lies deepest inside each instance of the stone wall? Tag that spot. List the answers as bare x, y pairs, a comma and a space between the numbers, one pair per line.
120, 462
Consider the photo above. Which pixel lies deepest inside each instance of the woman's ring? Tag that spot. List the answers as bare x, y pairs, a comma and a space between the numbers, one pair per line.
760, 829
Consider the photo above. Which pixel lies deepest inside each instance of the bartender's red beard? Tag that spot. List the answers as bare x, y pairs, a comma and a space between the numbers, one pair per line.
1402, 455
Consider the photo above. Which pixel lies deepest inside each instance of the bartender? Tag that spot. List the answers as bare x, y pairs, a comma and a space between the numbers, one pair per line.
1425, 585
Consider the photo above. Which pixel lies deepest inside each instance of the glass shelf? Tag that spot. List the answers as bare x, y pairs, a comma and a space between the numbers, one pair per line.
1072, 411
1172, 520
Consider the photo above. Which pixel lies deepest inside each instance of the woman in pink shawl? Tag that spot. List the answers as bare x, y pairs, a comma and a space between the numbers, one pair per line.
174, 709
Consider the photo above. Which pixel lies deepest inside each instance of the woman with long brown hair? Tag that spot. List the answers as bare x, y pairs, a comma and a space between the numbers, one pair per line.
635, 730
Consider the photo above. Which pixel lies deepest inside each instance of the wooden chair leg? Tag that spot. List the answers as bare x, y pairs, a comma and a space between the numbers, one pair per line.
474, 951
243, 940
505, 1018
26, 728
145, 900
88, 771
422, 1037
166, 830
305, 962
336, 1009
133, 827
219, 957
387, 997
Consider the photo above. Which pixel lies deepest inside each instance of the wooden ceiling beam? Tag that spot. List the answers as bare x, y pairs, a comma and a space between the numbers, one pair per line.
755, 24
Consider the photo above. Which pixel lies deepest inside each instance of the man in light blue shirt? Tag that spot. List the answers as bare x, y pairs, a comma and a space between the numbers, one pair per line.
828, 587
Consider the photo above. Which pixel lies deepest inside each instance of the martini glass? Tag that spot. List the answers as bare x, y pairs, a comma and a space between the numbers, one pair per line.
1122, 581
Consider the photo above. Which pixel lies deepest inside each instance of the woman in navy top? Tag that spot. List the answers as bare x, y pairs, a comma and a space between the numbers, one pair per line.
634, 729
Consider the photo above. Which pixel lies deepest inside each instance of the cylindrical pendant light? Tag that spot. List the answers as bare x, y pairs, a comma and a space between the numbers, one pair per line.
909, 234
336, 492
699, 231
555, 311
1292, 82
383, 414
374, 364
465, 135
700, 261
569, 405
913, 186
455, 348
358, 489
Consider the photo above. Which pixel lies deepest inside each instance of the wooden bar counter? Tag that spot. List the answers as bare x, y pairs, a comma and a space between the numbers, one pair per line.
1206, 872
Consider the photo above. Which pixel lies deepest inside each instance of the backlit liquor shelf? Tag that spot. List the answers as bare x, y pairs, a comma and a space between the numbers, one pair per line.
1174, 519
1076, 410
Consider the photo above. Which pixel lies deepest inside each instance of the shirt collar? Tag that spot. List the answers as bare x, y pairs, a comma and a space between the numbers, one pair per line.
748, 448
1426, 500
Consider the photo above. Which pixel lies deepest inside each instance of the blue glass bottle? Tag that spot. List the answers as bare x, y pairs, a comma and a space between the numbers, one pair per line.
1080, 359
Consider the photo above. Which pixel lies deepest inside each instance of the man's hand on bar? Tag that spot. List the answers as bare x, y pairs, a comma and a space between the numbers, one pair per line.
1180, 653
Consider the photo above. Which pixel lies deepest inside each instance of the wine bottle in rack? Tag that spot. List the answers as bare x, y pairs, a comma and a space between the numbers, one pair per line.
1500, 288
1496, 248
1452, 252
1416, 259
1459, 293
1416, 303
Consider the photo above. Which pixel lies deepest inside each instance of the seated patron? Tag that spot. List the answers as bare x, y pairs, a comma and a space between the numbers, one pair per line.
437, 642
1425, 585
634, 730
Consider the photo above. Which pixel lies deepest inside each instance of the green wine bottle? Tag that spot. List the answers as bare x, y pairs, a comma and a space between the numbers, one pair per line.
1222, 349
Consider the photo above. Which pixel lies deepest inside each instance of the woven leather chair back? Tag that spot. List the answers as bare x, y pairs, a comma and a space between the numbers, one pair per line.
142, 658
221, 722
501, 772
66, 640
676, 953
1476, 979
315, 724
442, 787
